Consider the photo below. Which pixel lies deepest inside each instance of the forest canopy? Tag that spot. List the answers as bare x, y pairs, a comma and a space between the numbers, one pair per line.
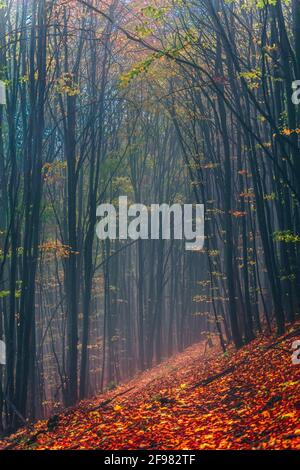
164, 102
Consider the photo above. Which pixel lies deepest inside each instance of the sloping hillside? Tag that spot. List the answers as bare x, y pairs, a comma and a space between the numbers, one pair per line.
200, 399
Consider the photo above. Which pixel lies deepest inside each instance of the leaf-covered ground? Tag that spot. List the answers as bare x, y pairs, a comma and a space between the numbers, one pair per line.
200, 399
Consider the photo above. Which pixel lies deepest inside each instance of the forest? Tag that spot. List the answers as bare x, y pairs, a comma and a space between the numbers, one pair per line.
174, 102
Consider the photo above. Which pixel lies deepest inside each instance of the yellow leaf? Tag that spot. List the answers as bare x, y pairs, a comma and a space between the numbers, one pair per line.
288, 415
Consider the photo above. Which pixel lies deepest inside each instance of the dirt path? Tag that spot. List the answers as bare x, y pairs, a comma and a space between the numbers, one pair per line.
199, 399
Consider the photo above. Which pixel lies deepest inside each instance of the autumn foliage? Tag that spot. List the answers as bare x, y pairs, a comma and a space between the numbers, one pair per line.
200, 399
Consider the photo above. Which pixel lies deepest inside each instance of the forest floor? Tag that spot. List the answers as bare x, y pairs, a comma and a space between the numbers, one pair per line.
199, 399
